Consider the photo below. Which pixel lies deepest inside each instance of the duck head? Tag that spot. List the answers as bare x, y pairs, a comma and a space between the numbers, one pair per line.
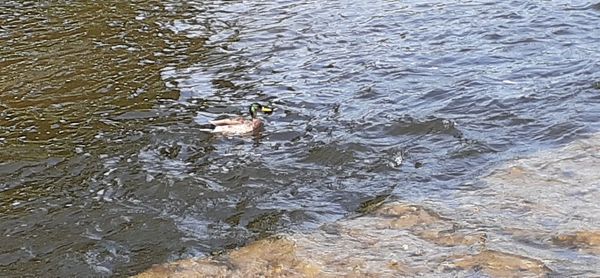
256, 107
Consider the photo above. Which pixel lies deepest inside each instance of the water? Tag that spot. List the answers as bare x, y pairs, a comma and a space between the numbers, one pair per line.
103, 171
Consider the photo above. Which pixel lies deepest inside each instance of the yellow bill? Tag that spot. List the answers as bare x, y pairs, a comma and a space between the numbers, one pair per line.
265, 109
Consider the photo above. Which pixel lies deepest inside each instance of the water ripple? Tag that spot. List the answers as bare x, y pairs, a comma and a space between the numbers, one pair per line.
100, 105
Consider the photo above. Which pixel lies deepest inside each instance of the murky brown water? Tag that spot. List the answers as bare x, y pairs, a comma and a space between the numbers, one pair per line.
104, 173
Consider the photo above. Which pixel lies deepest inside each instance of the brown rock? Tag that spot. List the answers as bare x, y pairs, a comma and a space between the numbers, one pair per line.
588, 241
263, 258
445, 238
500, 264
404, 216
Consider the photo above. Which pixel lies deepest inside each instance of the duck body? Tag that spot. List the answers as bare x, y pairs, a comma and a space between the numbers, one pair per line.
240, 125
236, 126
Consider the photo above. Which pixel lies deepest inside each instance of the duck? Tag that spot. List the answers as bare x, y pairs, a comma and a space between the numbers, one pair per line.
240, 125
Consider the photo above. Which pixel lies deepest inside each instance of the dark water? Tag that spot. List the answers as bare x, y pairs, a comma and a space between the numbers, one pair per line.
103, 171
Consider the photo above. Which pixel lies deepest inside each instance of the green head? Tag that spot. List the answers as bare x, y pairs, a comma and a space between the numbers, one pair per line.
255, 107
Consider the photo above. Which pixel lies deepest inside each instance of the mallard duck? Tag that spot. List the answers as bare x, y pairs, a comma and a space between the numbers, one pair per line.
240, 125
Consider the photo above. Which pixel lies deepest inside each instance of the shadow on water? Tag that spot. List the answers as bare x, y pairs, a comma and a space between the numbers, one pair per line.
103, 170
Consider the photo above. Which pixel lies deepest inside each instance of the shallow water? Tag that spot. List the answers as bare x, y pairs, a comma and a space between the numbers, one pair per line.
103, 170
535, 217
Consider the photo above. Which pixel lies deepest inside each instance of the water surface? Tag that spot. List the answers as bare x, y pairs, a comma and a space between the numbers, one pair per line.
103, 170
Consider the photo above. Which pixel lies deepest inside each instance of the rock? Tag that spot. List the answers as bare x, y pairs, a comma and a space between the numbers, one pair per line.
500, 264
587, 241
274, 257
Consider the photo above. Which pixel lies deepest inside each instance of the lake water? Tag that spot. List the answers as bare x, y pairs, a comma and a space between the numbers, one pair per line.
103, 170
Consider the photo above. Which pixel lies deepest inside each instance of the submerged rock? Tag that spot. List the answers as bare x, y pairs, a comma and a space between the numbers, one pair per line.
500, 264
587, 241
449, 238
545, 205
395, 240
535, 216
274, 257
402, 216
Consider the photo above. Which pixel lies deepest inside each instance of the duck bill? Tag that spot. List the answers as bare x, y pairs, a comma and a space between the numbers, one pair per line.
266, 110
